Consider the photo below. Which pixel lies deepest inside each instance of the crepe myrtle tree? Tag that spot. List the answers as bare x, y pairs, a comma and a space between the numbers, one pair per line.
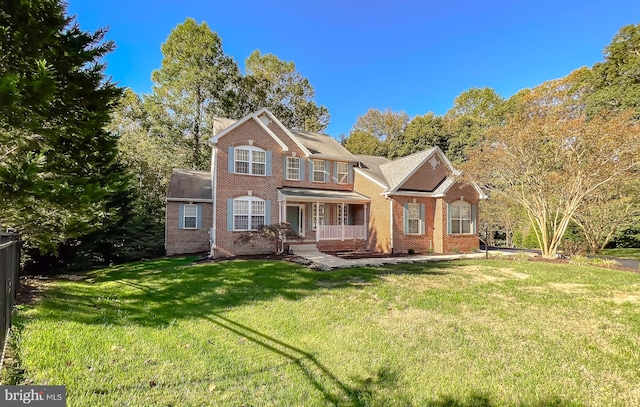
552, 164
278, 233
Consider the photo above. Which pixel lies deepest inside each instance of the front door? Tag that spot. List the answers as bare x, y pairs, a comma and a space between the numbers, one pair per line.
295, 217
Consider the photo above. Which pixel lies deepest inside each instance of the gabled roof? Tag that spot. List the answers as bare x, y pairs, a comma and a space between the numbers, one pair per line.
371, 168
399, 170
314, 145
393, 174
323, 146
214, 139
187, 185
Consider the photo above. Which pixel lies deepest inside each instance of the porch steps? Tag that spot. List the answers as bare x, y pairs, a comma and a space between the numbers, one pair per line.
303, 248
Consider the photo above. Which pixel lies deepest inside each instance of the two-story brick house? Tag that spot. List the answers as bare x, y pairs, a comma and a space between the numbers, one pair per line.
263, 173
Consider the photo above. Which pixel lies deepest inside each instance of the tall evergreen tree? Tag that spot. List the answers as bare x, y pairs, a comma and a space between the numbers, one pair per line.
58, 168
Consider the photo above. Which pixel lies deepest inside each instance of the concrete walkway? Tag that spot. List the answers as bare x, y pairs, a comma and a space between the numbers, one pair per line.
328, 262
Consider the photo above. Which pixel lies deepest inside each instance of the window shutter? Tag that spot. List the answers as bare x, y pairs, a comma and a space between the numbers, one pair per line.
302, 165
267, 212
327, 165
406, 218
422, 220
268, 159
199, 216
474, 212
350, 173
449, 219
180, 216
230, 159
335, 172
229, 214
310, 170
284, 167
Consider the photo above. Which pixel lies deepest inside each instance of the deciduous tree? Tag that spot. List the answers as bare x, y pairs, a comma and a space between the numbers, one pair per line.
551, 163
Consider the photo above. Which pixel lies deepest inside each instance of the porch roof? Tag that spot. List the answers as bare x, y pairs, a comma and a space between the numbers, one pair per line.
320, 195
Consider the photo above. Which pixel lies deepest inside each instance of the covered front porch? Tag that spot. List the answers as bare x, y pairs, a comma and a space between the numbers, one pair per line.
319, 215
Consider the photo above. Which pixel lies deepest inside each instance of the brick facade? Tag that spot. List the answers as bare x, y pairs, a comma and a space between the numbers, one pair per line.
383, 235
181, 241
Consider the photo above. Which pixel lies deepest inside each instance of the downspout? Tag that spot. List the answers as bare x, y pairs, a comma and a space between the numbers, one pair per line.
214, 200
391, 221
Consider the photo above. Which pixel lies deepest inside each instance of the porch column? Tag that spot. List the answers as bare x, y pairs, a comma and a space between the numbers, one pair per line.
317, 221
341, 216
283, 211
366, 224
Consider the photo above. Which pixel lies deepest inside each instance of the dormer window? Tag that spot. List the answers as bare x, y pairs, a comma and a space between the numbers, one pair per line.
250, 160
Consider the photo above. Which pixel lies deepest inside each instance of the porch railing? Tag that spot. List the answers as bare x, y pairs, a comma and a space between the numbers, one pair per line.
340, 232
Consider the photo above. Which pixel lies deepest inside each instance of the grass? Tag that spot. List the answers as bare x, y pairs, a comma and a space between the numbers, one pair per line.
633, 254
259, 333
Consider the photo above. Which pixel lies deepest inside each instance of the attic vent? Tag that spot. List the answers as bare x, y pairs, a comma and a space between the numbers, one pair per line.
434, 162
264, 119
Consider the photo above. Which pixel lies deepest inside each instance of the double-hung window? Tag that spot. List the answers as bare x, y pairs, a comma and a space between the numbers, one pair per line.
250, 160
343, 173
293, 168
248, 213
190, 216
318, 170
413, 215
460, 217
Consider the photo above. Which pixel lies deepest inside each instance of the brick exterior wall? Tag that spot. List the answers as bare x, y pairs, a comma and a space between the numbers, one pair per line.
426, 178
465, 242
182, 241
420, 243
378, 233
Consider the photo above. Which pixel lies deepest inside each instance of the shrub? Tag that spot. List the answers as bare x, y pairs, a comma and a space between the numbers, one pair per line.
498, 256
456, 250
521, 256
579, 260
600, 262
411, 251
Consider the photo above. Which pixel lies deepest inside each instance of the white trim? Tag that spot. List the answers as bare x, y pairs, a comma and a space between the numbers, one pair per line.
391, 224
249, 214
250, 162
440, 153
419, 232
346, 173
367, 176
301, 217
188, 200
324, 171
214, 187
460, 203
214, 139
184, 216
287, 169
266, 111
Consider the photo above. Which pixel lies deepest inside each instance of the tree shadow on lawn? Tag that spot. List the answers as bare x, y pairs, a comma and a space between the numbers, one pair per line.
156, 293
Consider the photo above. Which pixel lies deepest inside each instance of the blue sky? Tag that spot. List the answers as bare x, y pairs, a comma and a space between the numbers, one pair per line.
412, 56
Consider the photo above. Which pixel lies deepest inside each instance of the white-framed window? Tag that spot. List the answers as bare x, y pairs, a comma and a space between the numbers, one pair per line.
190, 216
460, 217
318, 170
248, 213
343, 173
250, 160
343, 215
413, 218
317, 215
293, 168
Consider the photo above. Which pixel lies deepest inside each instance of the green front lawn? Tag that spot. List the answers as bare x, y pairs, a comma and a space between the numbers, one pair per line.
263, 333
633, 254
